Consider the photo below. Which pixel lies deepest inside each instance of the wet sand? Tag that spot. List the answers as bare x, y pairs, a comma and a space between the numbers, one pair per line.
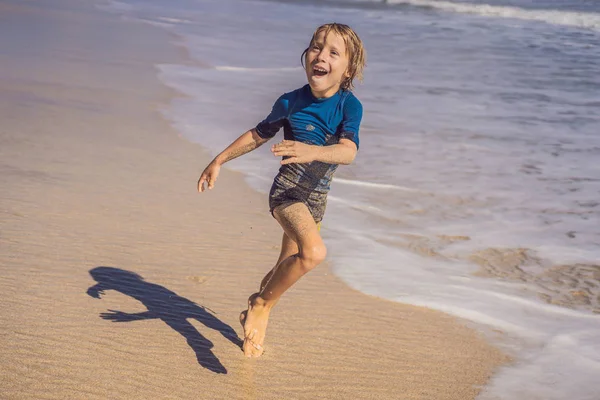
119, 281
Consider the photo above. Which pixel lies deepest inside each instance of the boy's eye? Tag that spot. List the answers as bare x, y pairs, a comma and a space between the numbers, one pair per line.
335, 53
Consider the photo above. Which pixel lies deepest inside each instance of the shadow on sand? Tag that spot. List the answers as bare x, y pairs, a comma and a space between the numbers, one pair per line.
167, 306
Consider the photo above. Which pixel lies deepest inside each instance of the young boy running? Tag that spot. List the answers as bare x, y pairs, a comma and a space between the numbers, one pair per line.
321, 122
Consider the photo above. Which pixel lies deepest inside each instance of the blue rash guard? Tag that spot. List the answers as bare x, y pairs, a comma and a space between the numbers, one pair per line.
307, 119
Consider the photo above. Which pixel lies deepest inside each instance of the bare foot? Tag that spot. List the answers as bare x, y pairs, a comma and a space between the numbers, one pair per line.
254, 321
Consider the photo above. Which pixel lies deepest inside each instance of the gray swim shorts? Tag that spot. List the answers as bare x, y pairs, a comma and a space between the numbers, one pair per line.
308, 184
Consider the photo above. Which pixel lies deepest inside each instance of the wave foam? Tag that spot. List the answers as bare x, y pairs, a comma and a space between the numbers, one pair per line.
374, 185
586, 20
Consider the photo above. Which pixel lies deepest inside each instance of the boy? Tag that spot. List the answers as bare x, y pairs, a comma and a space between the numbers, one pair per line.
321, 122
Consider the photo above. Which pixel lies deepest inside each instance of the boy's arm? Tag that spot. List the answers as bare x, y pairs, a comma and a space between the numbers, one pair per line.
343, 152
244, 144
119, 316
247, 142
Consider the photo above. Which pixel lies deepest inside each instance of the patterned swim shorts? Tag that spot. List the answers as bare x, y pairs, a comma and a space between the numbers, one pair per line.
287, 188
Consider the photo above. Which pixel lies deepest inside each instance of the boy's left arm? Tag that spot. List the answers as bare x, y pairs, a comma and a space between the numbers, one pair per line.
343, 152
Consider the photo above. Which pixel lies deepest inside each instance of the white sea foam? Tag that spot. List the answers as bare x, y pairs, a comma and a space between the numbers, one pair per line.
588, 20
556, 349
375, 185
174, 20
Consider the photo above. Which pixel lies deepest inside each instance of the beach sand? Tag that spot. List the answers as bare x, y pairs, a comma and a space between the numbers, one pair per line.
99, 212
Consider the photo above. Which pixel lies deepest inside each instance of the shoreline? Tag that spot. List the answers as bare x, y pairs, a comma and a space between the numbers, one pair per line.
99, 178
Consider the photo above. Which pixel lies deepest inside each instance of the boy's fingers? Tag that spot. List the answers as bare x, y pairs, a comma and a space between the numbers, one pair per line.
284, 152
284, 143
201, 183
289, 160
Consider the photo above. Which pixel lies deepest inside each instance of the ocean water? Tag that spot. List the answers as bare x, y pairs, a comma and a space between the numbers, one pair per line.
477, 187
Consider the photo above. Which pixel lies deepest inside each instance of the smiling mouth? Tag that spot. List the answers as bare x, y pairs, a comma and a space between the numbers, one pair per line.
318, 71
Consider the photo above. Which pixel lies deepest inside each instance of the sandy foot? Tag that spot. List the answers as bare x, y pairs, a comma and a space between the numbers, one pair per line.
254, 320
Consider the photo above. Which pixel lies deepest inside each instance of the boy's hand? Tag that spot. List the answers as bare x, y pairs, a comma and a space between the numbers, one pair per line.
95, 292
297, 152
209, 176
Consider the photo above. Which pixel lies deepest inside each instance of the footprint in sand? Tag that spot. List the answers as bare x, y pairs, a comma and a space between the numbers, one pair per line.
198, 279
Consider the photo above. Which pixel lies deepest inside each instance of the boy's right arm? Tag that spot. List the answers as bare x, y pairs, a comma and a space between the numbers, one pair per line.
244, 144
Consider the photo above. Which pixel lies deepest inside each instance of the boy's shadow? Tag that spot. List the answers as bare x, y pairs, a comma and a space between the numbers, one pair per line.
166, 305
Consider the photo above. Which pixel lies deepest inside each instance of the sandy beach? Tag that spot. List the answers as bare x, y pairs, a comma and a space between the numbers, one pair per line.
119, 281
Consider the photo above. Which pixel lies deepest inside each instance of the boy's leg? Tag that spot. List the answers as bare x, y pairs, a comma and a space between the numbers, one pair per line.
288, 248
299, 226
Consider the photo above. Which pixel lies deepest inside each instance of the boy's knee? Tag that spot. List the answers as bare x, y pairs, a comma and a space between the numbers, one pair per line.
311, 256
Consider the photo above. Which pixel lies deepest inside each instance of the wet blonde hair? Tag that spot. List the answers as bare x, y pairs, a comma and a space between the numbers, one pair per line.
355, 50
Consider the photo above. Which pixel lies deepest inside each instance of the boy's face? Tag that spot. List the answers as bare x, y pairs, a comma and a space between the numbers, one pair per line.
326, 64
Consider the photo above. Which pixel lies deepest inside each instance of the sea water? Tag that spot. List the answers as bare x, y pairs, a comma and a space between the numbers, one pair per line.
476, 190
